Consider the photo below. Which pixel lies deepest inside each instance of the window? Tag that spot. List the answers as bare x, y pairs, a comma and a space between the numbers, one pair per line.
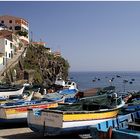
3, 61
5, 42
2, 21
10, 21
9, 55
10, 27
17, 27
11, 46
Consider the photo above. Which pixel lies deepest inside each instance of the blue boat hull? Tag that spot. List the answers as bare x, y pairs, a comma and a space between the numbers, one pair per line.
119, 127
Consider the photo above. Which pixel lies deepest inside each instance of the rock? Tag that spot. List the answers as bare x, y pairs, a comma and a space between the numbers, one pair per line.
46, 67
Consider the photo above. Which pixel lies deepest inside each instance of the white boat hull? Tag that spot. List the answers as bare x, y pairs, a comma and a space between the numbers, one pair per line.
50, 126
56, 122
68, 127
6, 94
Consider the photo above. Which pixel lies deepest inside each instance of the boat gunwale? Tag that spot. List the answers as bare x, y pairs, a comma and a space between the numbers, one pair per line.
80, 112
28, 105
11, 90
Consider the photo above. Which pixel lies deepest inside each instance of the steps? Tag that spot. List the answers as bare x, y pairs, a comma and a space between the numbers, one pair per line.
12, 62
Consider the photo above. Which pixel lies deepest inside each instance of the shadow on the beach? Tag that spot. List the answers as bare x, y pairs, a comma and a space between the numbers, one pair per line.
29, 135
33, 135
12, 125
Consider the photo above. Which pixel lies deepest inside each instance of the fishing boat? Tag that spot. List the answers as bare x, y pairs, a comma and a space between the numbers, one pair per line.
25, 96
6, 91
17, 111
132, 107
132, 103
121, 127
65, 84
69, 94
77, 117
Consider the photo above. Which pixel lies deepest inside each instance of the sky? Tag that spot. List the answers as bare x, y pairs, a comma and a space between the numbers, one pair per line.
91, 35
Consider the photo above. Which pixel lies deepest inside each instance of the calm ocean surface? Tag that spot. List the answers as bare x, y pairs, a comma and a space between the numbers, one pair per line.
84, 80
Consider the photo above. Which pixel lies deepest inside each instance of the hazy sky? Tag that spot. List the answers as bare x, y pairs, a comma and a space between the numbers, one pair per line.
92, 36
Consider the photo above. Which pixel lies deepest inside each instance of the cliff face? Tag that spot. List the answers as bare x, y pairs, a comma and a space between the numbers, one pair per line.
41, 67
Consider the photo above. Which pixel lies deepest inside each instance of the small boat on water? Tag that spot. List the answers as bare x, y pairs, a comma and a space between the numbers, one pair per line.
122, 127
118, 76
6, 91
77, 117
17, 111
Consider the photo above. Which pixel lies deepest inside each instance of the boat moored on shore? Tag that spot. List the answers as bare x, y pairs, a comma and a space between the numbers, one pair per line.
5, 92
123, 127
17, 111
75, 117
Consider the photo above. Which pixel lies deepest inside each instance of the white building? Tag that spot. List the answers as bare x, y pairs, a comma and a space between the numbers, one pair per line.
17, 25
6, 50
10, 43
16, 43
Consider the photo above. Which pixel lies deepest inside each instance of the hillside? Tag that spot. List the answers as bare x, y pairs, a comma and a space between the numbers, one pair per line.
39, 67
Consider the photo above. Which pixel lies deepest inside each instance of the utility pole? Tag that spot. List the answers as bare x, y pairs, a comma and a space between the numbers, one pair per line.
31, 36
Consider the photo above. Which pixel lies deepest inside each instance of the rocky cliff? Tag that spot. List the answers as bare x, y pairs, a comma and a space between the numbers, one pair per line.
38, 66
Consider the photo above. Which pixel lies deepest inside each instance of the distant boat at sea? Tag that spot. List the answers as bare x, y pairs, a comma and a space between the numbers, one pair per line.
84, 80
118, 76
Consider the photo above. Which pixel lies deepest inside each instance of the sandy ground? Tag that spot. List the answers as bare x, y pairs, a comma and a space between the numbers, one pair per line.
20, 131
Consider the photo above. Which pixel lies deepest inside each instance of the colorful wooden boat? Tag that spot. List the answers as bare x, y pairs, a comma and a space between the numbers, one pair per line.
26, 96
131, 108
74, 118
122, 127
68, 94
17, 111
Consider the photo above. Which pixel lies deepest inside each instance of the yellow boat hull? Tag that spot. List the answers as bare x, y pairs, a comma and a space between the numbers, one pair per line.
90, 116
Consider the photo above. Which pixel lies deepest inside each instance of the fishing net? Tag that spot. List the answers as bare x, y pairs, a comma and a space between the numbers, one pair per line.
88, 104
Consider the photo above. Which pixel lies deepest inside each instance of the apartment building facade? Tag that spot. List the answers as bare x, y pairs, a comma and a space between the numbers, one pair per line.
17, 25
9, 45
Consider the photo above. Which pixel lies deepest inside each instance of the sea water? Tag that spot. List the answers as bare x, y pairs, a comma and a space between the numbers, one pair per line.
86, 80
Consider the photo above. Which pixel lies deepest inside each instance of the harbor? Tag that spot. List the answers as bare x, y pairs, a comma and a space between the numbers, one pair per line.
69, 70
78, 105
67, 111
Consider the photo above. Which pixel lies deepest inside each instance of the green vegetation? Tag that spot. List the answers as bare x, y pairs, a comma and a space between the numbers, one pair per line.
46, 66
38, 67
22, 33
